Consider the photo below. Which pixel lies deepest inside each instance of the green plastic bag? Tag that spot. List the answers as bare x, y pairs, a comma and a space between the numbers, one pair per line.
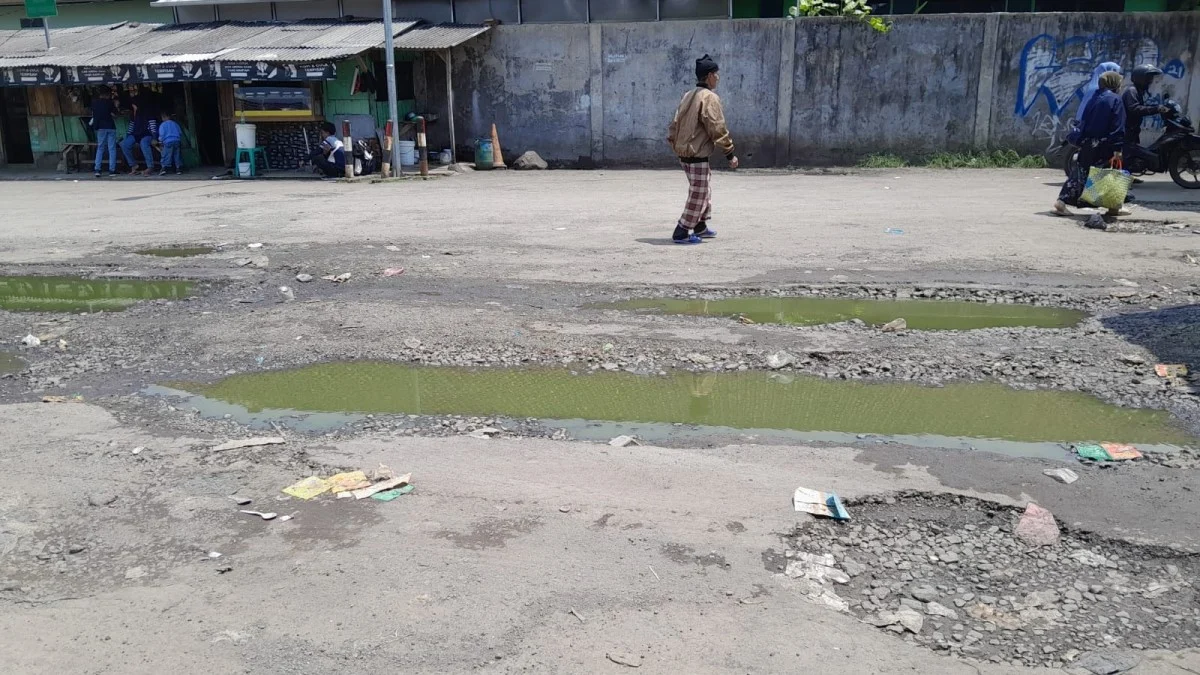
1107, 188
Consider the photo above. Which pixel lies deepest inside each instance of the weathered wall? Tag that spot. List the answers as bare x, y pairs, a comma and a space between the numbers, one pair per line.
647, 68
534, 82
911, 91
1043, 61
812, 91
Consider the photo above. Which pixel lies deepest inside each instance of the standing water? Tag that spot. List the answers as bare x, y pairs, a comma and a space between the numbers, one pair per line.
918, 314
736, 400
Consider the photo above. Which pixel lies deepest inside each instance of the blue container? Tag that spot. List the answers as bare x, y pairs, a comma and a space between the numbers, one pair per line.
484, 155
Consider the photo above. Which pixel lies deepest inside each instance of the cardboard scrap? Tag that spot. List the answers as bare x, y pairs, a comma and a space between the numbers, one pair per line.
381, 486
249, 443
351, 480
389, 495
824, 504
308, 488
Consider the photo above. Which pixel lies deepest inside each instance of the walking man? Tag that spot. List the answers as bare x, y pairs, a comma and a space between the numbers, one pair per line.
106, 131
697, 129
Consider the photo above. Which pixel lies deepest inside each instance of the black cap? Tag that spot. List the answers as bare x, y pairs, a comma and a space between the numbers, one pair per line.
704, 66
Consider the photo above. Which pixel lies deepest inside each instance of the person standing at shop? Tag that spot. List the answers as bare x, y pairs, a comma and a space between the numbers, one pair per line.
105, 126
142, 131
170, 134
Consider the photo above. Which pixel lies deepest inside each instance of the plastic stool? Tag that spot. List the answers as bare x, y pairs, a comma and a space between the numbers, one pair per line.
252, 154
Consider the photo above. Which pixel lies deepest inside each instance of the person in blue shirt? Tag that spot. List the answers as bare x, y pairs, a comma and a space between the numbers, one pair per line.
170, 134
330, 157
142, 131
1099, 137
105, 126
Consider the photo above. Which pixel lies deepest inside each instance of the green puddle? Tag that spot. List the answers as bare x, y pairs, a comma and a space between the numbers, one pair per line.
735, 400
176, 251
71, 294
10, 364
919, 314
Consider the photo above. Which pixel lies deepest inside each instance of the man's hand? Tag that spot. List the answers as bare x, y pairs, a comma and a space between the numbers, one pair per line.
733, 163
1164, 110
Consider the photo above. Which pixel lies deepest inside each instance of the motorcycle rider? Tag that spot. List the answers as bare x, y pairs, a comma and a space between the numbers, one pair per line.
1136, 109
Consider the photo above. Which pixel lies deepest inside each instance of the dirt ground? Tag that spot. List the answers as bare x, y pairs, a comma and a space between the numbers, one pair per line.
534, 552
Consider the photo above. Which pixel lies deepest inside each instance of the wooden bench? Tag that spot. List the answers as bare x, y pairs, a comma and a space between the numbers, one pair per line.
72, 150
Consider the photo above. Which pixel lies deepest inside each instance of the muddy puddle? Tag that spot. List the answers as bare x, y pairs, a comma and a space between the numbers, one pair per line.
10, 363
919, 314
738, 401
177, 251
73, 294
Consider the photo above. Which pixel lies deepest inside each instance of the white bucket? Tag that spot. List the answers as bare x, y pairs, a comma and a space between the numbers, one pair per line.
245, 135
408, 153
243, 169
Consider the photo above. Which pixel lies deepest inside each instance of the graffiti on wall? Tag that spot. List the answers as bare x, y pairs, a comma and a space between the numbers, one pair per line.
1056, 71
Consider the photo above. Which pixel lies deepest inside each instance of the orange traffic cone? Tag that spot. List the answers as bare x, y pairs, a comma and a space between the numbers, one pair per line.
497, 156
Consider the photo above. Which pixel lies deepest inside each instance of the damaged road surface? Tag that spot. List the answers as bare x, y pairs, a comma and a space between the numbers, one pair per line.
536, 451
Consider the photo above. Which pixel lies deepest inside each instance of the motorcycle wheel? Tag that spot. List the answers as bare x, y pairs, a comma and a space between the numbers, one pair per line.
1070, 162
1184, 166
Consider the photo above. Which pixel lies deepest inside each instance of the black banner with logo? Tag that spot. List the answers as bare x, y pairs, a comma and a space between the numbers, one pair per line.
236, 71
31, 76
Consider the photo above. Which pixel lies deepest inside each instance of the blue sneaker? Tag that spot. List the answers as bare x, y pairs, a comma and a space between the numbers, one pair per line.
691, 239
708, 234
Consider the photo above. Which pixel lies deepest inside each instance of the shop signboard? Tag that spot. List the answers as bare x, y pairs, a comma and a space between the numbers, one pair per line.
102, 74
261, 71
31, 76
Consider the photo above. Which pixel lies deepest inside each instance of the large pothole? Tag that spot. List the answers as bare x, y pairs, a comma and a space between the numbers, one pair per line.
918, 314
737, 400
949, 573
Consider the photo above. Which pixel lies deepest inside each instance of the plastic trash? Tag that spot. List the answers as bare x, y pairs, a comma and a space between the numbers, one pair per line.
389, 495
824, 504
1062, 475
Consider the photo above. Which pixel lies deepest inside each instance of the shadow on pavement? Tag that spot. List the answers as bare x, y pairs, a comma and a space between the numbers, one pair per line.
1172, 334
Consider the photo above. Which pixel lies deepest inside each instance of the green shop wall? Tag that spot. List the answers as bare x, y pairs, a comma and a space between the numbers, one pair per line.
338, 101
91, 14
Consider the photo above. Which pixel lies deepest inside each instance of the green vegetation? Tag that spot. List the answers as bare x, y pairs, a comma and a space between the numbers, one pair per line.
858, 9
997, 159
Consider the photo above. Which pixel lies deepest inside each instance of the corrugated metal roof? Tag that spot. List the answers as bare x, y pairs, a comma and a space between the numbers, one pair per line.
134, 44
442, 36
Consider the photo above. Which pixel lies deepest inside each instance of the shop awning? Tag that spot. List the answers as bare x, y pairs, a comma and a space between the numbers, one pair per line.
130, 52
443, 36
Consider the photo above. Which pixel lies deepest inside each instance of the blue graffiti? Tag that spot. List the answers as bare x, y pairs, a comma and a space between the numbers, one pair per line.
1058, 70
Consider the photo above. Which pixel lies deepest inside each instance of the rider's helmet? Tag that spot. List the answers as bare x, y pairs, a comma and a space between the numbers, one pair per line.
1143, 76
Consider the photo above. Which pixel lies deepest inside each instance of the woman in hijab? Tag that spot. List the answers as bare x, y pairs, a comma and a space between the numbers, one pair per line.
1094, 85
1099, 137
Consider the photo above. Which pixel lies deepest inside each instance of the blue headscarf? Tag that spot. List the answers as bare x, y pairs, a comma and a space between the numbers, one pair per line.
1094, 85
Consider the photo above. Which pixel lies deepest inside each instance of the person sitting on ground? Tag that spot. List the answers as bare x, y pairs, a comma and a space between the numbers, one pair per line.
142, 131
1100, 135
170, 134
330, 157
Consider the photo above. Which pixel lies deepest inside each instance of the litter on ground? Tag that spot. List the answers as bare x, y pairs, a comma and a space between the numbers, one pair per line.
824, 504
248, 443
308, 488
1107, 452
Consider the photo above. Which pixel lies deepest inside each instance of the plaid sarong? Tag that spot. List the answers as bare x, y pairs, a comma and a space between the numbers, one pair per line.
699, 201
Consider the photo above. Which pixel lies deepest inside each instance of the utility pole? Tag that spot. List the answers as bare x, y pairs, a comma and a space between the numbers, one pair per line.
393, 115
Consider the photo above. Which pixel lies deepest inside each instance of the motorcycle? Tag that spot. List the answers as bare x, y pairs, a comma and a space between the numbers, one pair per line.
1177, 151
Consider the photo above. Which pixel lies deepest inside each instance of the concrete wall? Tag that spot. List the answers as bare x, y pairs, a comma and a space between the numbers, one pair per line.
812, 91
